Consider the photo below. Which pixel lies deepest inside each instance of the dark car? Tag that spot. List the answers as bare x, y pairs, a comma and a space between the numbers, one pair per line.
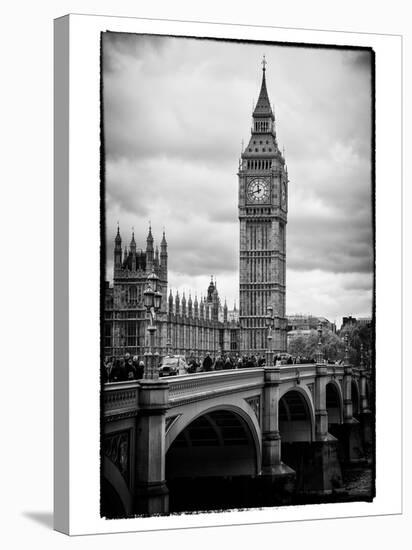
173, 365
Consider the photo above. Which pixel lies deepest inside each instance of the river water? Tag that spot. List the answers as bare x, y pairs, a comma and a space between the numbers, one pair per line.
212, 494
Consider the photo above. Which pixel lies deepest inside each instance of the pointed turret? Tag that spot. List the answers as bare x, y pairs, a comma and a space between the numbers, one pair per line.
149, 251
262, 149
118, 239
184, 305
210, 289
177, 303
263, 118
215, 304
163, 244
202, 308
170, 302
118, 249
196, 307
157, 256
190, 306
263, 107
132, 244
225, 312
163, 256
133, 252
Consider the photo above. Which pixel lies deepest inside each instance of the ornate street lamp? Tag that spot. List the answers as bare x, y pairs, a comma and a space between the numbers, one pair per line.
346, 340
361, 363
319, 353
269, 323
152, 302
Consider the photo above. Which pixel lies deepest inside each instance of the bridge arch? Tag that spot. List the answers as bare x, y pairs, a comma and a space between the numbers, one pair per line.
116, 498
221, 440
296, 415
334, 402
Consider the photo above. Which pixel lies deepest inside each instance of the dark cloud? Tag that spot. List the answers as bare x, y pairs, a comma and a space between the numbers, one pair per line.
175, 112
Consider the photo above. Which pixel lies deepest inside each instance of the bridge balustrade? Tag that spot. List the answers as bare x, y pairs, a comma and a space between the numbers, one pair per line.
205, 385
122, 398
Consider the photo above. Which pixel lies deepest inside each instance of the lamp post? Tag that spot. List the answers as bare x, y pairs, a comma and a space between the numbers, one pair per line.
269, 324
346, 340
152, 302
319, 353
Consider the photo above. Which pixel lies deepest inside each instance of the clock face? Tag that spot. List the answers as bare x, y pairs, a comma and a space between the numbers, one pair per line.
258, 190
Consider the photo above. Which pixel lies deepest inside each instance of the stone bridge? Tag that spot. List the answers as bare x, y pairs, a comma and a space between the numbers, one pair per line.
249, 424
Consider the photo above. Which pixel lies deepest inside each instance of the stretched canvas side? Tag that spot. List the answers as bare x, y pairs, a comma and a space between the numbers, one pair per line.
61, 274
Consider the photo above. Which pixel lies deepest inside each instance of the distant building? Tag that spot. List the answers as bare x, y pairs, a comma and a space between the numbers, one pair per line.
348, 321
301, 324
364, 321
353, 321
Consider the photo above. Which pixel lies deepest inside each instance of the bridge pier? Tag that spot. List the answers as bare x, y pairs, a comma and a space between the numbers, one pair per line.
279, 477
350, 432
272, 464
321, 466
365, 415
151, 495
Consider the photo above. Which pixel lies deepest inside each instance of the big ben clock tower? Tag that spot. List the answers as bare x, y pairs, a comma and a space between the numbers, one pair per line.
263, 196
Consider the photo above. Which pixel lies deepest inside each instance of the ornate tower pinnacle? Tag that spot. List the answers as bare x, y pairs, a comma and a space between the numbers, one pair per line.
163, 256
263, 108
149, 250
118, 249
184, 304
170, 302
190, 306
133, 252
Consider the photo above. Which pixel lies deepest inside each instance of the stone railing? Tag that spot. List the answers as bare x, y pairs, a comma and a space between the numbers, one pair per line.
290, 372
195, 387
121, 399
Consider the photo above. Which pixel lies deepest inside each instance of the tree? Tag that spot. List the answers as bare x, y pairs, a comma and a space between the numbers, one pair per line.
359, 335
296, 346
332, 346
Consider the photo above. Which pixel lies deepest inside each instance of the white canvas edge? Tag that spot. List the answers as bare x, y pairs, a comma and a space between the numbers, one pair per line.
84, 142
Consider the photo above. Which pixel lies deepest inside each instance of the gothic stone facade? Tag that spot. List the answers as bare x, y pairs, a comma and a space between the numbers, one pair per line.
184, 326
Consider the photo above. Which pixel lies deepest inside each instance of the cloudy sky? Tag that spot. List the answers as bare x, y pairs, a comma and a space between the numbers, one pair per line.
175, 113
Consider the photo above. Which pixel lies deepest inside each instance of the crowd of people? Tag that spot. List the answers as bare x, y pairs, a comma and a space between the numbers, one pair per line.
228, 361
126, 367
120, 369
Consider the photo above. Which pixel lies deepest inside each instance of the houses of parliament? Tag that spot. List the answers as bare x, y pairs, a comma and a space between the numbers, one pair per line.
189, 325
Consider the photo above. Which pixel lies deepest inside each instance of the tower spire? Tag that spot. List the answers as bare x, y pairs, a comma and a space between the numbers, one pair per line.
149, 250
118, 239
117, 248
263, 108
264, 62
